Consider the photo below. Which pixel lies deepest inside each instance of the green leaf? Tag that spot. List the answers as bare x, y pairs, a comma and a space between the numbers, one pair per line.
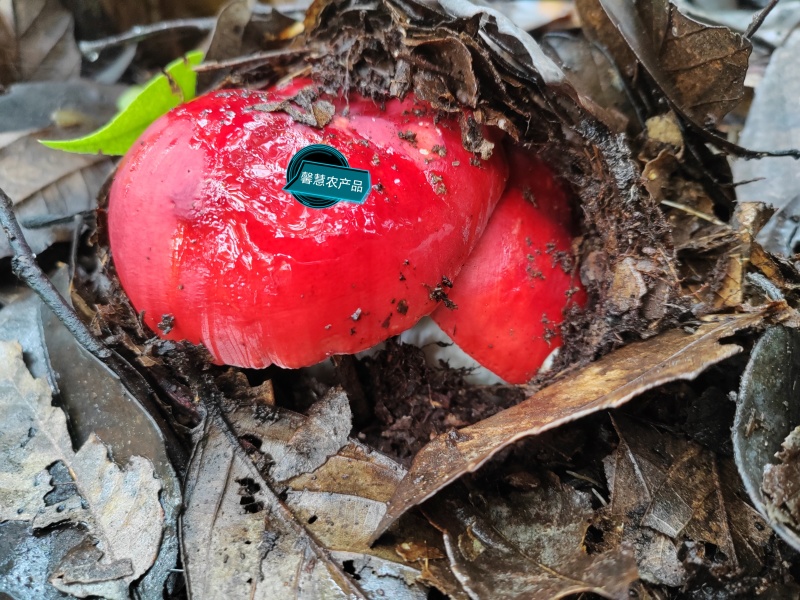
163, 93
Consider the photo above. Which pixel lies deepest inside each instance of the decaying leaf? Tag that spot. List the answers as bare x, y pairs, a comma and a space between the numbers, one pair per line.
19, 322
226, 39
671, 500
607, 383
711, 252
782, 481
239, 540
528, 544
312, 112
49, 188
36, 42
28, 558
766, 413
337, 490
285, 444
306, 542
118, 507
342, 501
699, 68
594, 76
97, 403
355, 482
773, 123
716, 255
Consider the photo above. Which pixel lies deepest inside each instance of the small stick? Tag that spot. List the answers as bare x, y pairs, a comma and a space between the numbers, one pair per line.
24, 266
758, 20
769, 289
696, 213
91, 49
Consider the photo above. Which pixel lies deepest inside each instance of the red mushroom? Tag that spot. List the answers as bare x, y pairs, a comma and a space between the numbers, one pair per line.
212, 250
513, 289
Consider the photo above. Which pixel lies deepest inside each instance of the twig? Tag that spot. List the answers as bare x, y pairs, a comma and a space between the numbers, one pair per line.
583, 478
696, 213
243, 61
24, 265
599, 497
769, 289
42, 222
75, 246
758, 20
91, 48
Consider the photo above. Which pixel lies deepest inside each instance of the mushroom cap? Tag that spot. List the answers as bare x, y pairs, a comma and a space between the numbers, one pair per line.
202, 232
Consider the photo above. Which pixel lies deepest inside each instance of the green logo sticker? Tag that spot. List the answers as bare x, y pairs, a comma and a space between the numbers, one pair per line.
319, 176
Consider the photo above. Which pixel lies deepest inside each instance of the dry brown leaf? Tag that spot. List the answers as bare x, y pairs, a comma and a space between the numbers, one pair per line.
342, 501
337, 489
748, 219
226, 40
782, 481
528, 544
594, 77
231, 513
283, 444
45, 184
332, 493
117, 508
668, 493
37, 42
767, 264
714, 255
98, 403
699, 68
607, 383
49, 187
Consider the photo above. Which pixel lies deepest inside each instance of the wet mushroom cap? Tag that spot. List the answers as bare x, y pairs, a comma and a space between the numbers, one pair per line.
210, 247
513, 289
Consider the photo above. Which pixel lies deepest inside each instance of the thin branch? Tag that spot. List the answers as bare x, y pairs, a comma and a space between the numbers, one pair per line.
758, 20
91, 49
41, 222
25, 267
244, 61
769, 289
696, 213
